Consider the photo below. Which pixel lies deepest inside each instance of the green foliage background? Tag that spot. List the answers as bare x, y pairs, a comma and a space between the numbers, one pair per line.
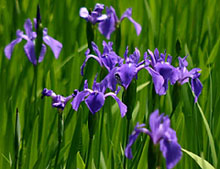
187, 27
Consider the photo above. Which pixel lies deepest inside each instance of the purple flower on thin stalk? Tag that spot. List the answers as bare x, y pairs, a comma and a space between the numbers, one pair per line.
95, 98
29, 47
184, 75
107, 59
160, 133
161, 71
112, 22
125, 72
58, 100
94, 16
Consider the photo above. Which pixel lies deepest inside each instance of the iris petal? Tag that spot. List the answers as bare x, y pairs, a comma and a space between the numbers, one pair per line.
95, 101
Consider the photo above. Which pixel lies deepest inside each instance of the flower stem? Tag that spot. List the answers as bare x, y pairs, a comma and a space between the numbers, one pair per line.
100, 138
89, 150
17, 139
60, 135
126, 141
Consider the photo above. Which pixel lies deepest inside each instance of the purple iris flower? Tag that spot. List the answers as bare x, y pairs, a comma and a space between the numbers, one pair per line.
112, 22
95, 98
58, 100
94, 16
184, 75
107, 59
29, 47
161, 71
124, 73
160, 133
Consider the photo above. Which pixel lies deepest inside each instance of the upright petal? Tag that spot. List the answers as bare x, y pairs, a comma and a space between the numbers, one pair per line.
78, 99
10, 47
135, 56
55, 45
28, 29
122, 106
30, 52
95, 101
127, 14
99, 7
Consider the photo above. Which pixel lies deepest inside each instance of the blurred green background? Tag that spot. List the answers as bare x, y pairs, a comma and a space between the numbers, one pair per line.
187, 27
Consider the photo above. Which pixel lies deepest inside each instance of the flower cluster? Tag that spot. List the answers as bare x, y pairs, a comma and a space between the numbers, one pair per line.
110, 22
121, 71
160, 133
162, 72
95, 98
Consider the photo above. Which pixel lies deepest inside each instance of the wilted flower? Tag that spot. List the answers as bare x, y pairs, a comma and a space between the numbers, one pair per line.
58, 100
111, 23
184, 75
160, 133
95, 98
108, 59
161, 71
94, 16
29, 47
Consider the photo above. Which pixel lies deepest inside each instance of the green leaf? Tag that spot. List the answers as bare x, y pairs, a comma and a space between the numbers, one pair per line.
142, 86
211, 140
200, 161
214, 52
80, 162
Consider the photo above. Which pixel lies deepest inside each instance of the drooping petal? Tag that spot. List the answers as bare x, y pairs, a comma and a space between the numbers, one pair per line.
42, 53
167, 71
102, 18
132, 138
157, 128
122, 106
196, 87
10, 47
95, 101
30, 52
111, 79
55, 45
171, 151
158, 80
127, 14
87, 58
84, 13
125, 74
78, 99
108, 25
